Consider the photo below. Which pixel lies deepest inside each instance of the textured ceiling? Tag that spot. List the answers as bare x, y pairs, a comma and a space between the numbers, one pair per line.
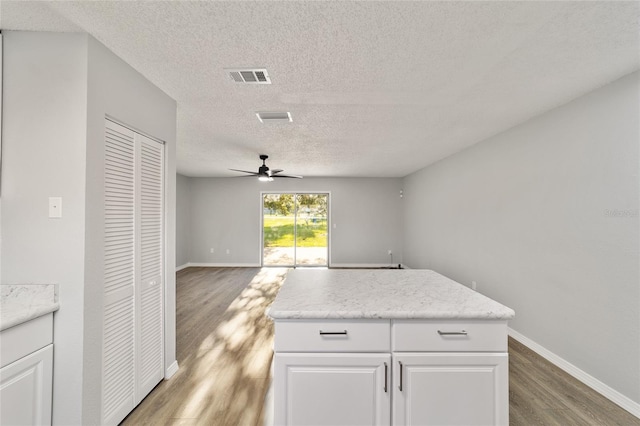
374, 88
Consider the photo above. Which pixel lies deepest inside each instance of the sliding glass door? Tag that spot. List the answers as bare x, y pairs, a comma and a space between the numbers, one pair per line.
295, 229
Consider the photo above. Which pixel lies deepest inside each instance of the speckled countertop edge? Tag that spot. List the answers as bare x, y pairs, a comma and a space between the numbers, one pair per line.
20, 303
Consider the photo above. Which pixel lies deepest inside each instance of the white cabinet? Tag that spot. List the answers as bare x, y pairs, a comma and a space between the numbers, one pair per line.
25, 389
450, 389
400, 372
332, 389
26, 376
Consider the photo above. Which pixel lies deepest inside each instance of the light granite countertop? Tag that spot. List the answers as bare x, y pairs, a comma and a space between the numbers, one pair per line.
23, 302
384, 294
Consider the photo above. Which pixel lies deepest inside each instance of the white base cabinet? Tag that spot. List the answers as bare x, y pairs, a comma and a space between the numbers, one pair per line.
25, 389
26, 376
400, 372
450, 389
333, 389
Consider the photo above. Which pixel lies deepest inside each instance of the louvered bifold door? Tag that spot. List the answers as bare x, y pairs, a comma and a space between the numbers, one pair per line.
118, 375
149, 289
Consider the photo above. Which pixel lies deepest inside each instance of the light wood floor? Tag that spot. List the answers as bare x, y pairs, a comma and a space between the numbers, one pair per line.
224, 350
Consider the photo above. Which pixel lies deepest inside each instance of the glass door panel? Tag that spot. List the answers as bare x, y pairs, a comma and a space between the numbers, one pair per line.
278, 230
312, 242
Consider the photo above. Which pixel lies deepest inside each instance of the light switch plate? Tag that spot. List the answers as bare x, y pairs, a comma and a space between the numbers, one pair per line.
55, 207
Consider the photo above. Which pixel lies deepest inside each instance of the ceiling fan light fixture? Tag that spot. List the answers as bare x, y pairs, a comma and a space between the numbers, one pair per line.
265, 178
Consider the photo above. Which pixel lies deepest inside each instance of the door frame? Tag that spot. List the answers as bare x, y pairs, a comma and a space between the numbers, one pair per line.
261, 248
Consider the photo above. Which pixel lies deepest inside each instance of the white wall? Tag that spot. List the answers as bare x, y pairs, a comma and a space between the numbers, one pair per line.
57, 90
545, 218
43, 155
183, 219
225, 214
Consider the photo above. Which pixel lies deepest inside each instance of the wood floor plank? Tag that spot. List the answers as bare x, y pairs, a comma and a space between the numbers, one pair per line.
224, 350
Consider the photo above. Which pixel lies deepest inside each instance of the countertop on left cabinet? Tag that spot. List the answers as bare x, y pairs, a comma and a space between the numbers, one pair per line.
20, 303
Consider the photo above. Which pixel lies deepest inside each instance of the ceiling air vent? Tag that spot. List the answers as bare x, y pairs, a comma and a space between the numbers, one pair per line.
249, 75
274, 117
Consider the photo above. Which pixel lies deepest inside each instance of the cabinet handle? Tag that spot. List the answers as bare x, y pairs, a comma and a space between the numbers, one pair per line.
386, 374
400, 386
452, 333
333, 333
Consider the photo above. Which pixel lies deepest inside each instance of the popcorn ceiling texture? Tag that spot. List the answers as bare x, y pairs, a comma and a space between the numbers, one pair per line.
374, 88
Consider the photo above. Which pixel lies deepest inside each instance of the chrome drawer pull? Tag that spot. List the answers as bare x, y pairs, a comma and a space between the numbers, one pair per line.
452, 333
333, 333
386, 374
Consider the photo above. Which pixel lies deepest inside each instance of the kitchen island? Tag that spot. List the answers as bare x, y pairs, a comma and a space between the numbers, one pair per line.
388, 347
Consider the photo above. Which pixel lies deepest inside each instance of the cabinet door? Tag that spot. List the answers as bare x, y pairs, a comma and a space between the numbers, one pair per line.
332, 389
25, 389
451, 389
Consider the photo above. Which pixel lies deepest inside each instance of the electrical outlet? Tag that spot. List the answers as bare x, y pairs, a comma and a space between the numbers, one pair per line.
212, 250
228, 251
389, 252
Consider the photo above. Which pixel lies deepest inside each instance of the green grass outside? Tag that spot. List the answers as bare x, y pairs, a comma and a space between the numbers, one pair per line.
278, 232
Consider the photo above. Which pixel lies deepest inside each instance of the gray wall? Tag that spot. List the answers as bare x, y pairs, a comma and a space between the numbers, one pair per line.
545, 218
57, 90
43, 155
117, 90
225, 214
183, 219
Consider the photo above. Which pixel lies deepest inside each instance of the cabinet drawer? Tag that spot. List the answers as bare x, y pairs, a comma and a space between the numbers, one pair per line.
449, 336
332, 336
22, 339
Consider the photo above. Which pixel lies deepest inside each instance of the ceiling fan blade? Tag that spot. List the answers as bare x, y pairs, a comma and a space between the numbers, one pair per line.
274, 171
287, 176
245, 171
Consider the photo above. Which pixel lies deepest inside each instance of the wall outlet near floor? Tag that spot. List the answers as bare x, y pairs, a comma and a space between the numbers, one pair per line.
228, 251
389, 252
474, 285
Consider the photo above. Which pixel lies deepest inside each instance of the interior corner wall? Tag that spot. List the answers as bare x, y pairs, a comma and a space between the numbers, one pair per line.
116, 90
183, 218
43, 155
365, 218
57, 89
544, 217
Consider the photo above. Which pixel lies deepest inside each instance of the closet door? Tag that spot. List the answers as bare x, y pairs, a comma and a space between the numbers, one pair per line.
133, 334
118, 375
149, 300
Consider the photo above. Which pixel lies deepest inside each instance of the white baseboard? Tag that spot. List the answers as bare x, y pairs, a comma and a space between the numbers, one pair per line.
220, 265
257, 265
363, 265
181, 267
595, 384
171, 370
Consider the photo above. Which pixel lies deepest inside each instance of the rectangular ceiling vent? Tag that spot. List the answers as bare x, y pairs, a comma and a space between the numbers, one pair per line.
274, 117
249, 75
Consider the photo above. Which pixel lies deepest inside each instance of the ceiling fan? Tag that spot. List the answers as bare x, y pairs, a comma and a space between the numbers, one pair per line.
265, 174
